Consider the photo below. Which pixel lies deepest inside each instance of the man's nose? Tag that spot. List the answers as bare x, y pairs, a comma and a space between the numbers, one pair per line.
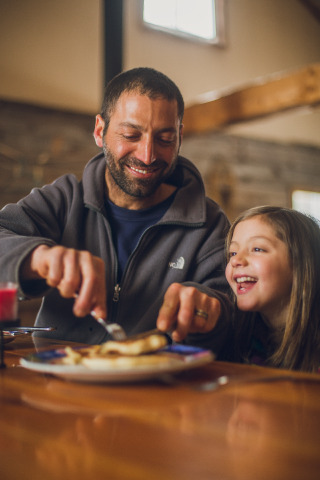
146, 151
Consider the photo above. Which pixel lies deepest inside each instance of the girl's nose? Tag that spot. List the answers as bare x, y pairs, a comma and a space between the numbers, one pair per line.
238, 259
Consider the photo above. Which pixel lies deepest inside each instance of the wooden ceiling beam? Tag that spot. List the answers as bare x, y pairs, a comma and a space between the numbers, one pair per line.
264, 97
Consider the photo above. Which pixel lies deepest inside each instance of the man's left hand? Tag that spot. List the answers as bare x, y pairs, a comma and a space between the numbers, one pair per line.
187, 310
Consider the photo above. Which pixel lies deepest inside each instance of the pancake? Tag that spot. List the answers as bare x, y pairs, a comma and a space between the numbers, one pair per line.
147, 344
125, 353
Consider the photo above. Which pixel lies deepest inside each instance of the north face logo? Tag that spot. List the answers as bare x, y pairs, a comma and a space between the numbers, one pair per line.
179, 264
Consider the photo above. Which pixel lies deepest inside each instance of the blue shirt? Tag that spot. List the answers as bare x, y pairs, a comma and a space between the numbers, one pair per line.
128, 226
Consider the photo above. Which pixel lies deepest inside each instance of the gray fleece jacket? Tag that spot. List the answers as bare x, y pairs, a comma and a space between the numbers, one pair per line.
185, 246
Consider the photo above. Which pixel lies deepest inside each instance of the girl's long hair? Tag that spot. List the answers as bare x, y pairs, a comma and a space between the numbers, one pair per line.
298, 344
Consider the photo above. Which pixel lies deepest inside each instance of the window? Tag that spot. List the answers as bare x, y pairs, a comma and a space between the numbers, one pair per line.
201, 20
306, 202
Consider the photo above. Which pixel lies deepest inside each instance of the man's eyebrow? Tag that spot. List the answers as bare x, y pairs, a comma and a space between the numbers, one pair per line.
139, 127
130, 125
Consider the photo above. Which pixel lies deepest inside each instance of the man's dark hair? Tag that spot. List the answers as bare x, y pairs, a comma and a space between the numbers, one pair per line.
144, 81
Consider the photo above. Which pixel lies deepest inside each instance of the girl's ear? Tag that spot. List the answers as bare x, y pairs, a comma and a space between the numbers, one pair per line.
98, 131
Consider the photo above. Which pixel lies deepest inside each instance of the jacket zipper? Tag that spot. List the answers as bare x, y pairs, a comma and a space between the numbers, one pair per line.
117, 288
116, 293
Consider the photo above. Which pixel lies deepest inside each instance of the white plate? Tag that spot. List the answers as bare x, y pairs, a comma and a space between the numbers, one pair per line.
182, 357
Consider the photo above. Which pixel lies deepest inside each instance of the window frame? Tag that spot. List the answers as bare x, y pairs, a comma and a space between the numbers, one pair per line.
219, 40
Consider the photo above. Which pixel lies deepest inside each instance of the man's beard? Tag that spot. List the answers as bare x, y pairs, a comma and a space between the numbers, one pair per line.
133, 186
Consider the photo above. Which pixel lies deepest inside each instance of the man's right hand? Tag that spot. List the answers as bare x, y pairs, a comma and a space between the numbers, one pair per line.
75, 273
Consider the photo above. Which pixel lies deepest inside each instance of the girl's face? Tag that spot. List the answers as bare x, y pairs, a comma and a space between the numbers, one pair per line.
259, 270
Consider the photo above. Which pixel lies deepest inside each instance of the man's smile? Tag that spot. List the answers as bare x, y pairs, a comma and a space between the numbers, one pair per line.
142, 171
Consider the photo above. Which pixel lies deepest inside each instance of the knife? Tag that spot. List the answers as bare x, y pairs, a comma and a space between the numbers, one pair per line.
30, 329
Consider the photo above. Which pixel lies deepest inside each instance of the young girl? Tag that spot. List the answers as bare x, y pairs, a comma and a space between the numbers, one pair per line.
274, 271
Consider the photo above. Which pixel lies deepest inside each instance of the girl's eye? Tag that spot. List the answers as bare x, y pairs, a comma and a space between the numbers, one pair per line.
258, 249
232, 254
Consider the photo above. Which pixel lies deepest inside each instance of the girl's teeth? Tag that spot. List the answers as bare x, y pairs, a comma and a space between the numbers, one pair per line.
245, 279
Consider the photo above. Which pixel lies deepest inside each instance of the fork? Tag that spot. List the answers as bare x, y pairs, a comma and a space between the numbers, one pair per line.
118, 334
114, 329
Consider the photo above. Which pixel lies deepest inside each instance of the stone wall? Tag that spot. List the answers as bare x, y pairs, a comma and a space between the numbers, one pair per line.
39, 144
240, 173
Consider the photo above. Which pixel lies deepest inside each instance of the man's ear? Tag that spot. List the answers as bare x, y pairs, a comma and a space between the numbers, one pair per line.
181, 134
98, 131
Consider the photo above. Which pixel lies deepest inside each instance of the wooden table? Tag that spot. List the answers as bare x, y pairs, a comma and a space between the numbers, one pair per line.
54, 429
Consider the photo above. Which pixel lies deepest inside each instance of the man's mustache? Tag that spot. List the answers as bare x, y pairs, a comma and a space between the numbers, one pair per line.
135, 163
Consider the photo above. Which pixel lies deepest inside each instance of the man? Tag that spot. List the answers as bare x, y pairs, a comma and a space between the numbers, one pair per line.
136, 241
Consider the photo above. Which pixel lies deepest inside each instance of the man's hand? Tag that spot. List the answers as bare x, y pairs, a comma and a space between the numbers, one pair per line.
178, 313
75, 273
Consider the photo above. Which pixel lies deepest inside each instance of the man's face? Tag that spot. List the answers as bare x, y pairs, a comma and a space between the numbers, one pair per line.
141, 146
